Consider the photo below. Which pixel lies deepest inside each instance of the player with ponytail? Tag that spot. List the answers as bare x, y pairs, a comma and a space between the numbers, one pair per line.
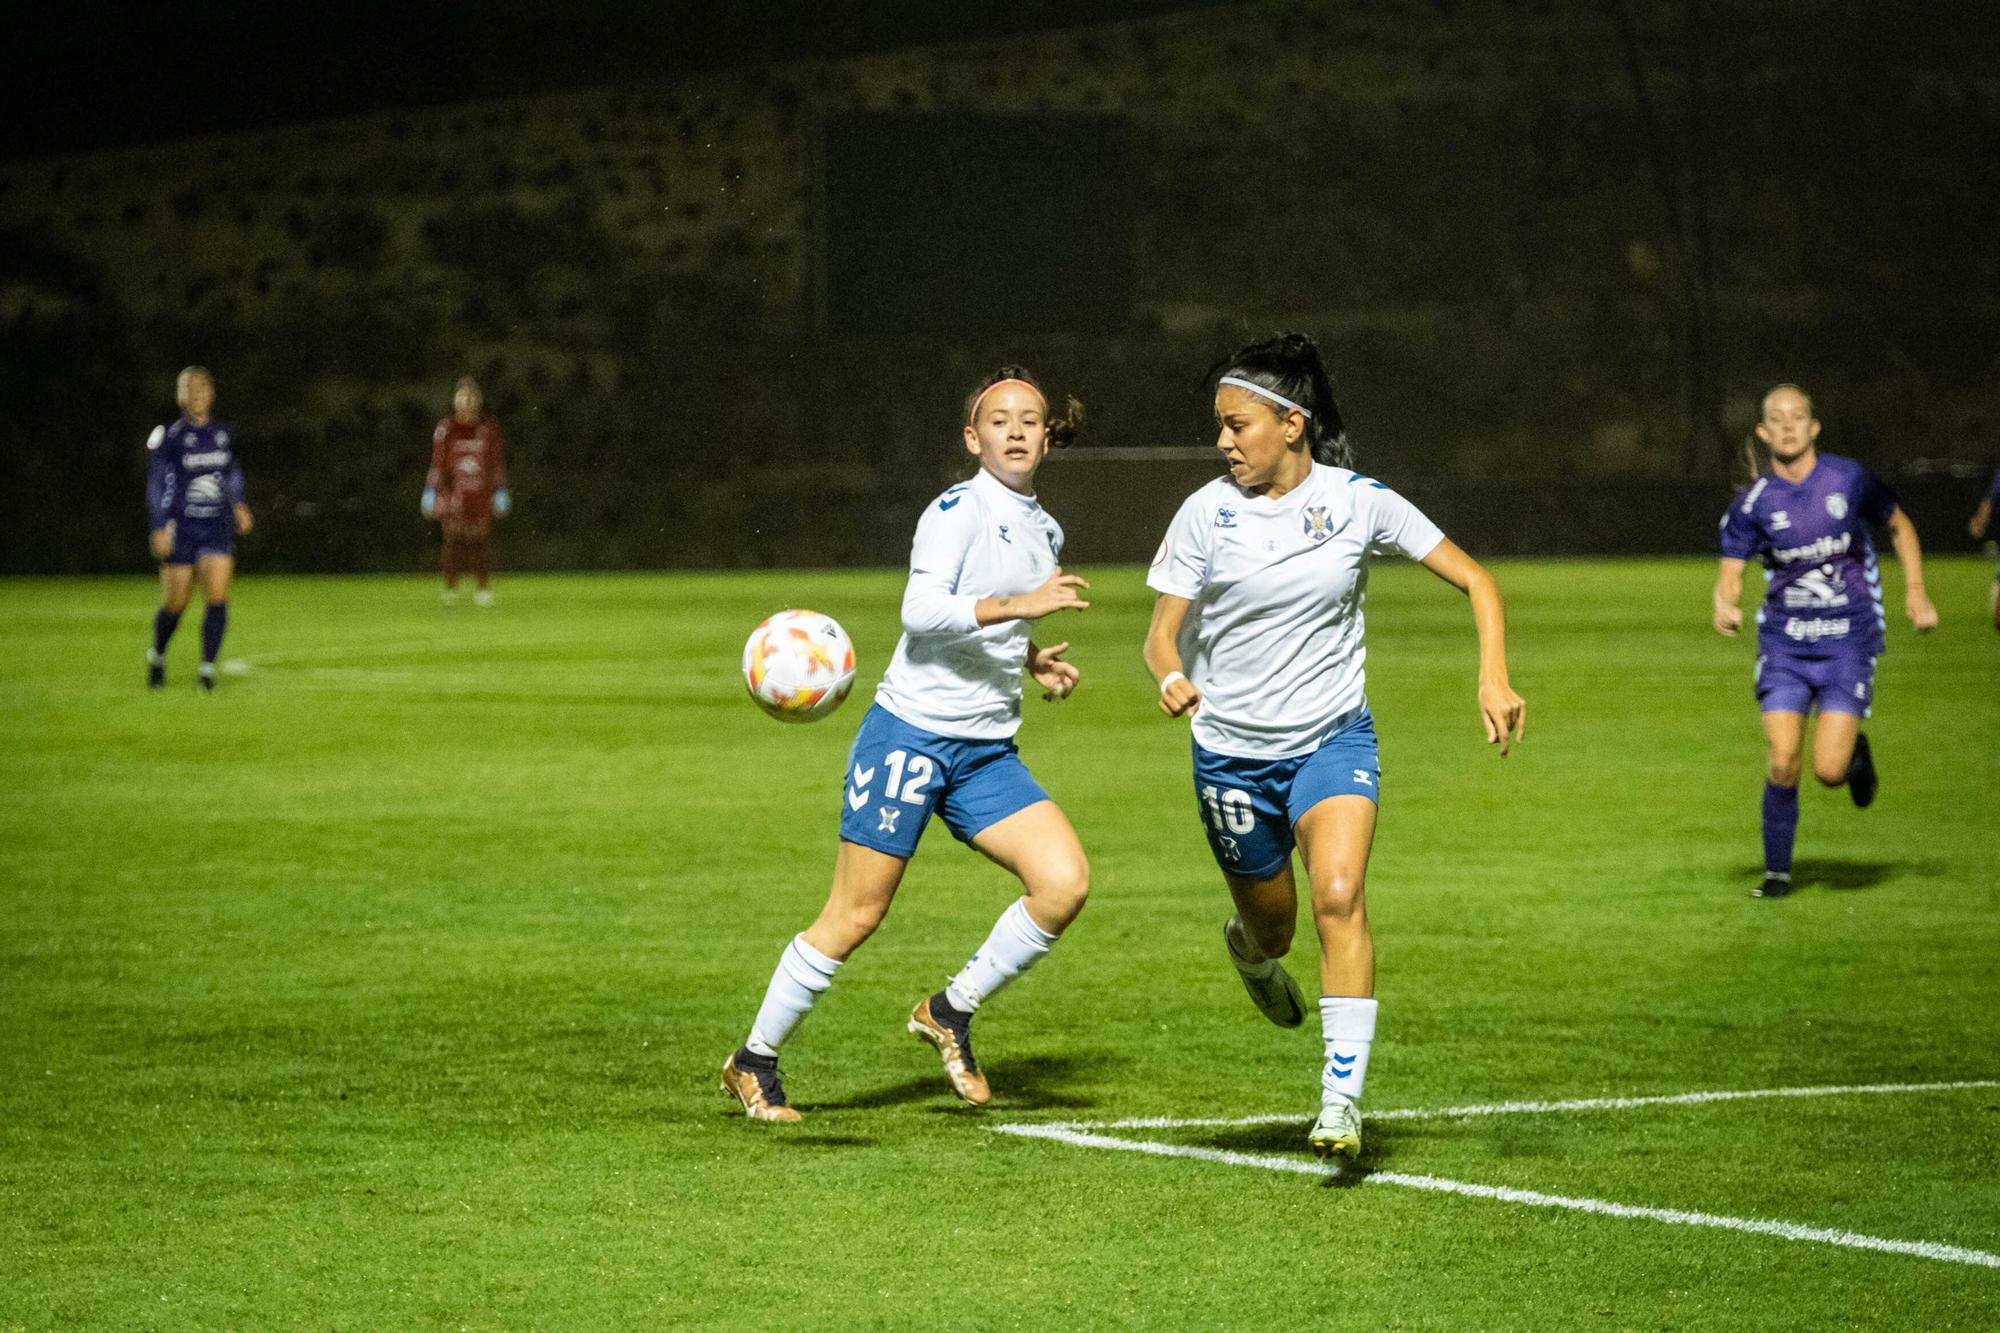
984, 567
1806, 515
1261, 581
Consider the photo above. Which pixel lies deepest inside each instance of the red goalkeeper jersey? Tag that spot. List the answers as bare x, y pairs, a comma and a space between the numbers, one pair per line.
468, 464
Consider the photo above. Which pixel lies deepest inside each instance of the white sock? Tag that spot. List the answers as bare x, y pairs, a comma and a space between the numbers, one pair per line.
802, 976
1015, 945
1347, 1023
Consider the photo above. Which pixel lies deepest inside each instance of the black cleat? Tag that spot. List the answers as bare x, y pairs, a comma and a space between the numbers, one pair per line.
156, 675
1775, 885
205, 682
1861, 772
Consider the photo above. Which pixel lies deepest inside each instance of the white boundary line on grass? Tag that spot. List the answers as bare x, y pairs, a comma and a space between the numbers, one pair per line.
1533, 1108
1087, 1134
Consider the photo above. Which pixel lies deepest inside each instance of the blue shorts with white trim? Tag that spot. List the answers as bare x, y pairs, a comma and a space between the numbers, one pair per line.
1249, 807
898, 775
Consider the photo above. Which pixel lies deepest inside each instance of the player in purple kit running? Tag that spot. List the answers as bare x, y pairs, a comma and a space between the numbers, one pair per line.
1819, 631
194, 501
1978, 527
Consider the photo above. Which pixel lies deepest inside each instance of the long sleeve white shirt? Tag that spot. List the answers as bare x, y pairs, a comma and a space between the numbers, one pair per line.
949, 675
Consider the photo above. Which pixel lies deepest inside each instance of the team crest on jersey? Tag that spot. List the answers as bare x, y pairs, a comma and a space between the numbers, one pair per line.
1836, 505
1318, 525
1780, 520
1225, 518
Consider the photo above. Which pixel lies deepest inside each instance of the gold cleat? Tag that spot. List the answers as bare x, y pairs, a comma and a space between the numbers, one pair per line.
760, 1091
954, 1047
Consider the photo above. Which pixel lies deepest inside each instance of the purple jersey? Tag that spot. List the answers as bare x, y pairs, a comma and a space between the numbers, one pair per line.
191, 473
1824, 595
1993, 491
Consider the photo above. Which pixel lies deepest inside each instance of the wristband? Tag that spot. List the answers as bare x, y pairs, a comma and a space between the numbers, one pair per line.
1170, 678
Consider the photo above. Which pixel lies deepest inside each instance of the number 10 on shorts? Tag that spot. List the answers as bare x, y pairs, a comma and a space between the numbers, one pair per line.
1229, 810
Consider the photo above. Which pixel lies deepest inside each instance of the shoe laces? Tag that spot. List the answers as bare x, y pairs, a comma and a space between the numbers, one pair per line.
962, 1034
768, 1083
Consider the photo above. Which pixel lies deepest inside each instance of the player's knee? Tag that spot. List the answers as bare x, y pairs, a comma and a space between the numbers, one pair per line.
1337, 898
1829, 775
1059, 891
1783, 768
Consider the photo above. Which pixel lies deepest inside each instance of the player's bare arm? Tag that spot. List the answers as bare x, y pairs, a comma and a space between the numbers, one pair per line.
1729, 597
1503, 712
1910, 553
1058, 593
1178, 696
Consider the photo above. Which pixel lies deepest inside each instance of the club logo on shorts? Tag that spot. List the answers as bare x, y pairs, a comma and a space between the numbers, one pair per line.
1318, 525
1836, 505
890, 814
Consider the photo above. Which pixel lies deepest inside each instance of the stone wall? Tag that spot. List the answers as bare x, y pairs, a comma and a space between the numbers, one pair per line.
1461, 200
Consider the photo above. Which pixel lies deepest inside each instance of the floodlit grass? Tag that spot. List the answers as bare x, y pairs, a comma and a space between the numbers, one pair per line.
387, 987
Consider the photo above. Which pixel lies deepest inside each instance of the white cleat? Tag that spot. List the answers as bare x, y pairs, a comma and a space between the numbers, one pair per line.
449, 597
484, 597
1271, 987
1337, 1132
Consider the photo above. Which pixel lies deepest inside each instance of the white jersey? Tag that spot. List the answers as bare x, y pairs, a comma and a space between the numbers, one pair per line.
978, 539
1274, 638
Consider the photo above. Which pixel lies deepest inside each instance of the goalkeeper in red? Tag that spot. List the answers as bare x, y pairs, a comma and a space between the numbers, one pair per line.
466, 489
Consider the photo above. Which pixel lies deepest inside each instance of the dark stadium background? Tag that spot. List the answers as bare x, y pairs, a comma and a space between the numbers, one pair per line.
726, 271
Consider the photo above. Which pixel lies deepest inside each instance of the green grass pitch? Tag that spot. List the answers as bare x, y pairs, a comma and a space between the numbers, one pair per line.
387, 987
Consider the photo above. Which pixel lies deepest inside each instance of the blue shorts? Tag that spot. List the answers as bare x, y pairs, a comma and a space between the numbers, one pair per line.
197, 537
1796, 684
1249, 806
898, 774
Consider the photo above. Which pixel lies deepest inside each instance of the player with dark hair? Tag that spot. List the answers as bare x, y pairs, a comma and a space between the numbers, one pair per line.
466, 489
1258, 635
1982, 519
194, 504
1806, 515
940, 738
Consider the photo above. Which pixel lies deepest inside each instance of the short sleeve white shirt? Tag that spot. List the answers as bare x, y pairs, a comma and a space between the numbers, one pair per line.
949, 675
1274, 638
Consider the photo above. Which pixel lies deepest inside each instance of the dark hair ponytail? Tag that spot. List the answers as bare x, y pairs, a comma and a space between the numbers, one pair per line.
1289, 366
1063, 429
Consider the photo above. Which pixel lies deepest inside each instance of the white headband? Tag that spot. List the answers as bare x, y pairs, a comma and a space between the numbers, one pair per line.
1263, 392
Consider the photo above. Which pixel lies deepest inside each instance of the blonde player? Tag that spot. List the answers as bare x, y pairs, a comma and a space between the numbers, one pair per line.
984, 567
1261, 580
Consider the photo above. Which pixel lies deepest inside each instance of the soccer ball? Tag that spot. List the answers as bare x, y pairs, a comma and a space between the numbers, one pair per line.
798, 666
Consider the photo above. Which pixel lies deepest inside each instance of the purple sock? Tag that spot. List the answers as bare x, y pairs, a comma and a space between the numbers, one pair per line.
1781, 823
165, 622
213, 623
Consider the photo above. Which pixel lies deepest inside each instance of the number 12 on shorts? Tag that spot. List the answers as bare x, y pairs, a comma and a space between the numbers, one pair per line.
921, 772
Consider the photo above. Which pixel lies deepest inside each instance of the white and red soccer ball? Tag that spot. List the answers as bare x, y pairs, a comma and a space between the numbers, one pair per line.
798, 665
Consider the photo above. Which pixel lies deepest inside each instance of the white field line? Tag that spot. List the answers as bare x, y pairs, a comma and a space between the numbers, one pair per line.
1086, 1134
1852, 1240
1525, 1108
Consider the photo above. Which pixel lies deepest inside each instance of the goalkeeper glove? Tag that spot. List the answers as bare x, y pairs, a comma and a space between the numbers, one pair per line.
429, 504
503, 500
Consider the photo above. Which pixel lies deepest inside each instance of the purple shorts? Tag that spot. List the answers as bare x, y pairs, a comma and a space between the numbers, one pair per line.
197, 537
1798, 684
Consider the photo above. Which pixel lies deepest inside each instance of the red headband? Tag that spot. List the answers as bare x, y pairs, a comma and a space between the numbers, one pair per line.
973, 415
